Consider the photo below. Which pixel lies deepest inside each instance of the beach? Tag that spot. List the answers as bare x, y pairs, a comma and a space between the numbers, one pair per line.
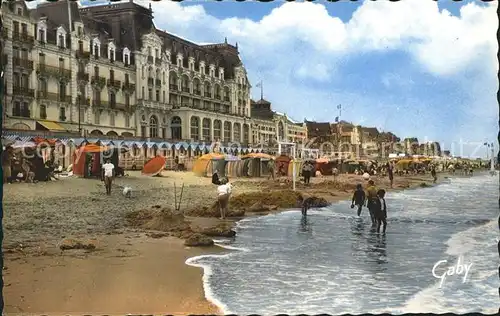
121, 269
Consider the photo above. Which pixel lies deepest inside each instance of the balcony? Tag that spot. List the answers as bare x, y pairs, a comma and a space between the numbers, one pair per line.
150, 59
174, 87
130, 87
57, 72
82, 76
185, 89
197, 91
150, 81
98, 81
114, 84
44, 95
24, 38
25, 92
21, 112
5, 33
23, 63
80, 54
118, 106
158, 82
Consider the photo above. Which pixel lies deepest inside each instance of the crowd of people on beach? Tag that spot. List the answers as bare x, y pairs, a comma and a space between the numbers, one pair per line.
28, 166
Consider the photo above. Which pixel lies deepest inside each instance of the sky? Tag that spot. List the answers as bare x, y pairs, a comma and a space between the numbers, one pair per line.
418, 68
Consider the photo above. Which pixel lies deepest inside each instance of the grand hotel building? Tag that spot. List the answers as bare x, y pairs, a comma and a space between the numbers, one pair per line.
106, 71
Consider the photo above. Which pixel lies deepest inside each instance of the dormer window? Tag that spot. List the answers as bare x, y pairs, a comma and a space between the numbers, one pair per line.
111, 52
61, 37
42, 32
179, 60
126, 56
221, 73
212, 71
19, 11
96, 48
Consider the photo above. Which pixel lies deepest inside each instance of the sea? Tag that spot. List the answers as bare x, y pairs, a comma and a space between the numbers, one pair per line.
332, 262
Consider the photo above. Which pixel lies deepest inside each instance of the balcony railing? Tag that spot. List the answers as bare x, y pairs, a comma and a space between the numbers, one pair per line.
98, 81
150, 81
185, 89
23, 63
22, 37
174, 87
129, 87
80, 54
23, 91
114, 83
43, 95
197, 91
150, 59
57, 72
82, 76
158, 82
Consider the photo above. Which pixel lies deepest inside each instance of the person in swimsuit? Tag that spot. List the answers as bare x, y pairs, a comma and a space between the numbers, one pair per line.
358, 198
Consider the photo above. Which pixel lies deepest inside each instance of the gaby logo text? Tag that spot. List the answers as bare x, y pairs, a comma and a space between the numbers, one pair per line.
459, 269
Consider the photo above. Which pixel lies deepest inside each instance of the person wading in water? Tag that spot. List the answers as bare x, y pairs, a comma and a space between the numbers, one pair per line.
108, 175
372, 200
381, 211
390, 171
358, 198
223, 194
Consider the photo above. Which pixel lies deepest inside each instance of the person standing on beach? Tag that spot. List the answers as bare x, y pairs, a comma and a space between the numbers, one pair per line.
108, 168
271, 166
215, 177
433, 173
372, 200
223, 193
7, 165
381, 211
358, 198
390, 172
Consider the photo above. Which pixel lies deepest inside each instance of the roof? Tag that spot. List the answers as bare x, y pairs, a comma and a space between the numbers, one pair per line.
373, 131
57, 13
315, 128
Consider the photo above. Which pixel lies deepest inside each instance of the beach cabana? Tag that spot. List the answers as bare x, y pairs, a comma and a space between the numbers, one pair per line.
282, 163
234, 166
87, 160
255, 164
205, 165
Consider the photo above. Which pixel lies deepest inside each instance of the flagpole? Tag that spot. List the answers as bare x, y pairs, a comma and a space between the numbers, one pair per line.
261, 90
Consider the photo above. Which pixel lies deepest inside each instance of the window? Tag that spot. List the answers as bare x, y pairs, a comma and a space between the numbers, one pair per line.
43, 111
111, 54
217, 130
112, 99
62, 114
96, 50
163, 132
111, 75
96, 71
157, 53
157, 95
127, 100
176, 127
80, 46
24, 28
150, 94
111, 118
127, 79
81, 118
62, 91
60, 41
42, 58
61, 63
206, 129
195, 128
80, 30
21, 109
227, 132
16, 27
149, 51
127, 120
143, 131
153, 127
97, 97
142, 95
19, 11
41, 35
164, 97
126, 56
42, 85
97, 117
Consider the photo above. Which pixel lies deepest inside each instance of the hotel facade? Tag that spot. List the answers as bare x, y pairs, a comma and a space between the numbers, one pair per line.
106, 71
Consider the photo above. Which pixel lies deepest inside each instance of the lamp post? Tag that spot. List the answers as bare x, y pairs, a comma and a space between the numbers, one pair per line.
79, 97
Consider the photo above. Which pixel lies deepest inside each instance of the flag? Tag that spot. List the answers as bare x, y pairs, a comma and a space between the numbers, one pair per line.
259, 85
336, 119
339, 106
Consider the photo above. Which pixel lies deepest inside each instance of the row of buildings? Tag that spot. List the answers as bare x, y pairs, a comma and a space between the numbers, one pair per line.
107, 71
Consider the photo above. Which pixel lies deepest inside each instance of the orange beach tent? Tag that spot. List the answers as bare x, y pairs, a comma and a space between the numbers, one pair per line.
80, 156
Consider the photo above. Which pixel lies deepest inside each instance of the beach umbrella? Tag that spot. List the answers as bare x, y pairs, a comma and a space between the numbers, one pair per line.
154, 166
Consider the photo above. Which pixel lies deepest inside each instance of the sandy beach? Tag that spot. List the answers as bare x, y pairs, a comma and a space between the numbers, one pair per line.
121, 269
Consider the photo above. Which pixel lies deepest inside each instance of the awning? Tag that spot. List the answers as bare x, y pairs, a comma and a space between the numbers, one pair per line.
51, 126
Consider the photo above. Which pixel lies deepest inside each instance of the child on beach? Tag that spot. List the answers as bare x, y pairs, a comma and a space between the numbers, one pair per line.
381, 211
358, 198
